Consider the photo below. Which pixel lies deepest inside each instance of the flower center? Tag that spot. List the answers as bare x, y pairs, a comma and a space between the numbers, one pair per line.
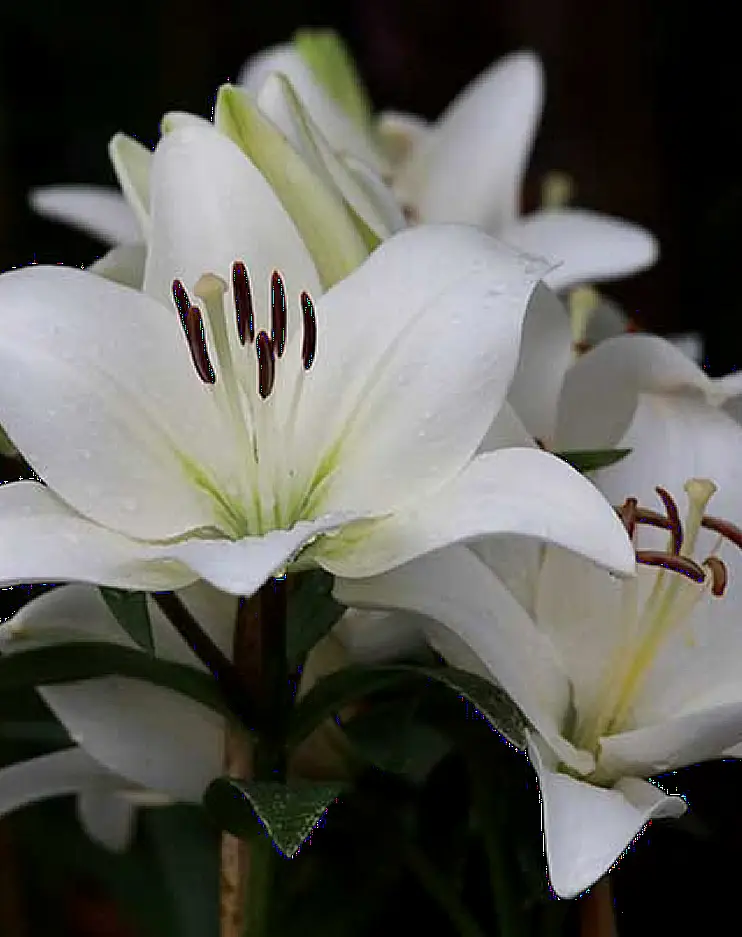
256, 501
211, 289
680, 583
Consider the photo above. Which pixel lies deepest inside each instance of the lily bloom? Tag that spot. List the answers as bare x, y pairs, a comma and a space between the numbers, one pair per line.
468, 165
619, 681
231, 419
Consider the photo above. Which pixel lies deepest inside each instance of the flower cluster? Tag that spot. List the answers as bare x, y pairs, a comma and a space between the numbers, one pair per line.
325, 339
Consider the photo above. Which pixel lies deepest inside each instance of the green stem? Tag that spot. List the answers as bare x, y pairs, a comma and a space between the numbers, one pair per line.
439, 890
260, 660
260, 871
509, 919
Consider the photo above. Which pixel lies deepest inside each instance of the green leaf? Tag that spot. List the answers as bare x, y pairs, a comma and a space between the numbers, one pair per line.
316, 207
312, 612
392, 737
131, 612
334, 68
88, 660
589, 460
6, 446
334, 692
289, 812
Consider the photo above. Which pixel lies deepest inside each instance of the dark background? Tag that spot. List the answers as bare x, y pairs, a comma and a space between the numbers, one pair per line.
641, 110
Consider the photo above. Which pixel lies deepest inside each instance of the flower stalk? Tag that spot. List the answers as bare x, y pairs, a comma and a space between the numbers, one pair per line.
259, 655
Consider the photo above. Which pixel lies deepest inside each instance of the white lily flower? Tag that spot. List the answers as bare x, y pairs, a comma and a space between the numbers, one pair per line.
172, 457
555, 336
619, 681
468, 165
640, 391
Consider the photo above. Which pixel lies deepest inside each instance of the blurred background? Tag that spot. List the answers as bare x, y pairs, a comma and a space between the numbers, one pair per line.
640, 110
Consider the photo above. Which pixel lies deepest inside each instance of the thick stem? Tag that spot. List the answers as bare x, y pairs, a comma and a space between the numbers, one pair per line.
260, 662
597, 918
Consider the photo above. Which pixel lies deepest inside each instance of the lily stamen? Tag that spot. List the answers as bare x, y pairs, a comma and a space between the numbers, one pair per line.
243, 302
628, 515
719, 574
278, 313
309, 321
727, 529
193, 327
677, 564
266, 364
673, 516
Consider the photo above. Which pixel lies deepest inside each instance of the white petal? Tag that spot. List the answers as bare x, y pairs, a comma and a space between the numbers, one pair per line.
673, 438
96, 210
132, 164
278, 98
374, 637
474, 622
579, 607
293, 166
343, 135
423, 341
587, 828
210, 206
587, 247
123, 264
470, 167
505, 431
545, 355
241, 567
601, 391
674, 743
691, 344
43, 540
108, 817
154, 737
513, 491
282, 58
400, 133
61, 773
101, 397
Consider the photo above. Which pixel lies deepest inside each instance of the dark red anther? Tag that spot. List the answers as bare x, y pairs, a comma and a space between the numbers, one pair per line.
243, 306
278, 313
193, 326
182, 302
719, 575
627, 513
727, 529
266, 364
677, 564
673, 515
194, 330
309, 343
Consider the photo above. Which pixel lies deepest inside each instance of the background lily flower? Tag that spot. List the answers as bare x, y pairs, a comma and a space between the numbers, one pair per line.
178, 450
619, 681
555, 335
639, 391
468, 165
138, 745
339, 218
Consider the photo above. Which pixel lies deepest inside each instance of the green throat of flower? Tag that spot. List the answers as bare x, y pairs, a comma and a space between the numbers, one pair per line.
681, 582
219, 340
